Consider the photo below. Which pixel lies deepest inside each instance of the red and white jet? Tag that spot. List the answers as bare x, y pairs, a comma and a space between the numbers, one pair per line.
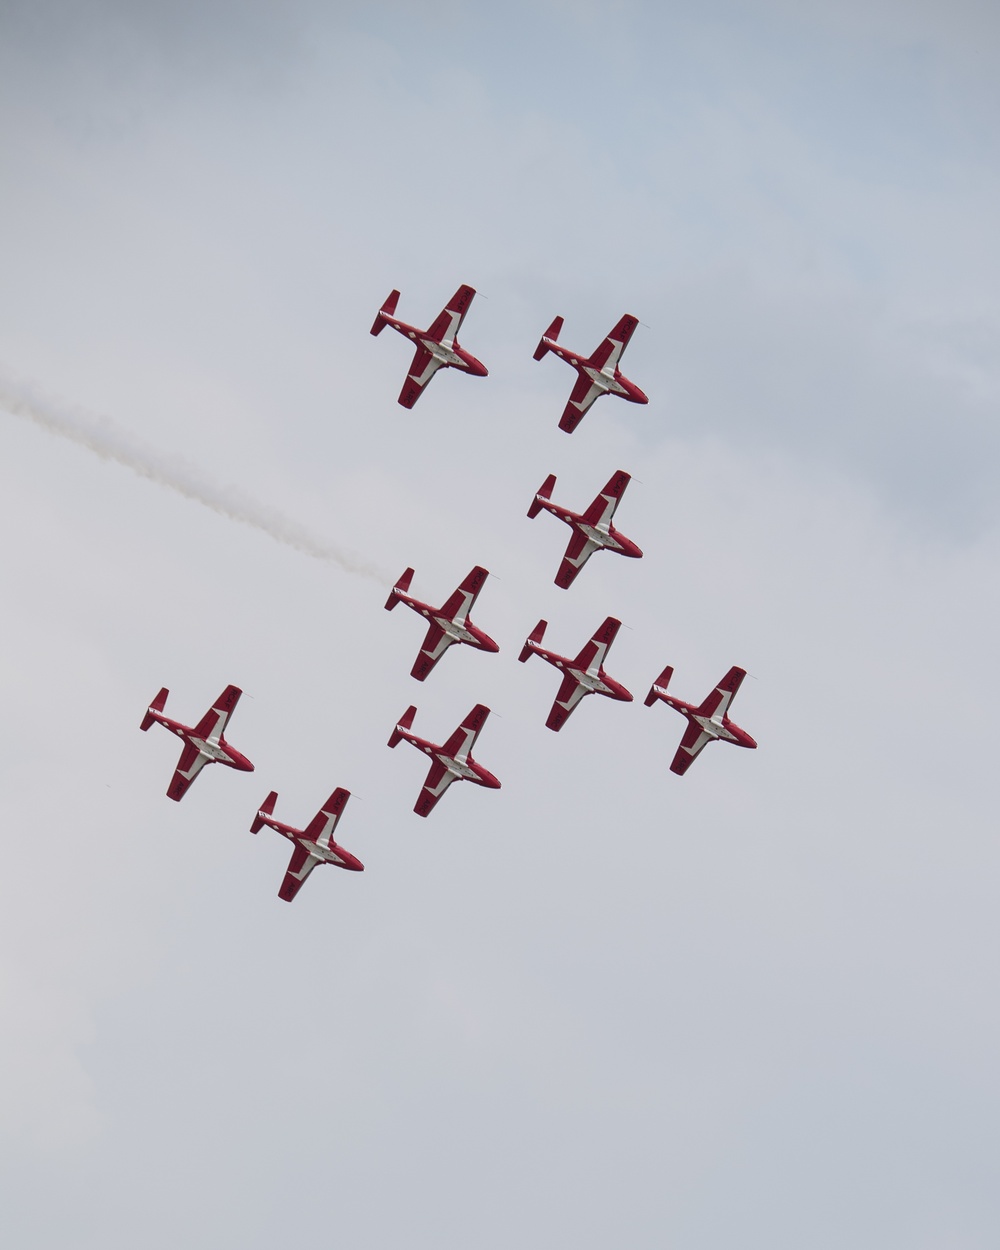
592, 530
448, 624
599, 373
437, 348
452, 762
706, 723
203, 744
583, 676
313, 845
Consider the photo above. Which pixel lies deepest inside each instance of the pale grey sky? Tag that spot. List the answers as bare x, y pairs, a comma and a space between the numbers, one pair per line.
603, 1005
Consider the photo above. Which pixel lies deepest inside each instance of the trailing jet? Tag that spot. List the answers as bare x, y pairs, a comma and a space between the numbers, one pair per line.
437, 348
592, 530
203, 744
583, 676
448, 624
707, 722
452, 762
312, 845
599, 373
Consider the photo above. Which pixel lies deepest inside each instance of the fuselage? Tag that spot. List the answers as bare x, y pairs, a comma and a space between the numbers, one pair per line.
467, 633
331, 854
466, 770
597, 683
217, 750
718, 727
610, 380
447, 352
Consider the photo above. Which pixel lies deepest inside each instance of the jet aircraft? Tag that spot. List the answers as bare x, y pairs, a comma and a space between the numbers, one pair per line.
592, 530
312, 845
451, 762
437, 348
448, 624
583, 676
203, 744
707, 722
599, 373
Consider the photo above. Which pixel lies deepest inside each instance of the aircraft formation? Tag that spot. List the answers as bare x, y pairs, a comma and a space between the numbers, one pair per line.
591, 531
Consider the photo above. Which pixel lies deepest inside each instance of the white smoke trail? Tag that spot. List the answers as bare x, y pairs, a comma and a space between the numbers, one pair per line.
111, 442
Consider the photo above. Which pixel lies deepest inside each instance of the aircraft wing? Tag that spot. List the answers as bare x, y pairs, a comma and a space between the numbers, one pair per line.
459, 745
188, 767
717, 703
583, 395
592, 656
448, 323
434, 646
438, 780
422, 369
603, 508
320, 828
609, 352
299, 867
216, 719
459, 605
570, 693
692, 744
579, 551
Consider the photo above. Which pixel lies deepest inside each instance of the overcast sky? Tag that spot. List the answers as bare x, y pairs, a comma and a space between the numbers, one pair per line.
603, 1006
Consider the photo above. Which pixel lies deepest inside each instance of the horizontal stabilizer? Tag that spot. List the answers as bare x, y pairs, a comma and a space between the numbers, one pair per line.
544, 492
404, 722
552, 333
266, 809
389, 309
662, 682
403, 585
156, 706
536, 636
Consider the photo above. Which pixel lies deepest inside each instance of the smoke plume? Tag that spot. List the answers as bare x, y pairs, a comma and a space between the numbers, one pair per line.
113, 443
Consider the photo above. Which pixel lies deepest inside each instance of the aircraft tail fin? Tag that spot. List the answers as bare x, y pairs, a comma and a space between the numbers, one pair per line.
662, 682
552, 333
404, 722
266, 809
388, 309
156, 706
403, 585
536, 636
544, 492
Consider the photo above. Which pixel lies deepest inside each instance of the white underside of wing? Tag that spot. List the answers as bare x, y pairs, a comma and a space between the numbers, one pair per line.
306, 868
589, 548
433, 366
579, 690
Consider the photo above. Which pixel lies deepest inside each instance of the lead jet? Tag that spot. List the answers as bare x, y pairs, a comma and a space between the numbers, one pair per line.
583, 676
437, 348
599, 373
448, 624
708, 722
312, 845
592, 530
451, 762
203, 744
